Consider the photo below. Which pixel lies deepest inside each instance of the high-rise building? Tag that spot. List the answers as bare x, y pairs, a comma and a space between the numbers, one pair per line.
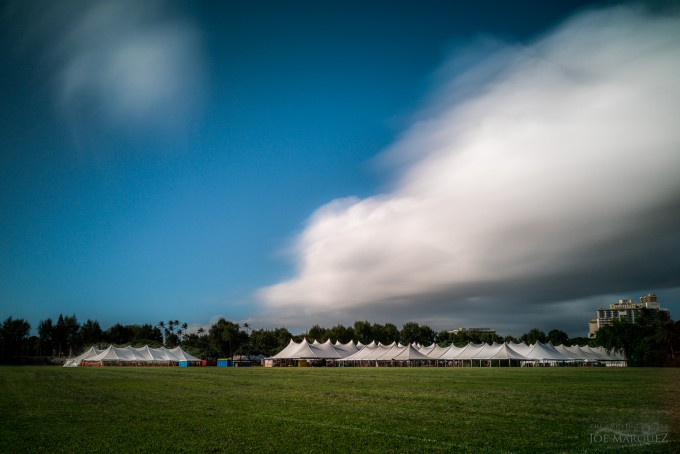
627, 311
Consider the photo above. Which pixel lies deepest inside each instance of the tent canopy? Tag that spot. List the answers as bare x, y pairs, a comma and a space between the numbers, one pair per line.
359, 352
130, 354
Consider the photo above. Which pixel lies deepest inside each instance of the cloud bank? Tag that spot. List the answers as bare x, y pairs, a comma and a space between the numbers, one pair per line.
116, 65
530, 194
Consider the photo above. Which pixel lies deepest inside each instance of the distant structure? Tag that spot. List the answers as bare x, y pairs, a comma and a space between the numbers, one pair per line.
473, 330
627, 311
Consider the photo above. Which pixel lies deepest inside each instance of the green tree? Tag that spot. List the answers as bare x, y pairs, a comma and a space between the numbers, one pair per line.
362, 331
391, 333
119, 334
410, 333
624, 337
341, 333
427, 335
667, 335
226, 337
378, 333
146, 334
532, 336
283, 337
14, 337
59, 335
198, 345
172, 340
264, 342
91, 333
45, 337
317, 333
444, 338
558, 337
72, 335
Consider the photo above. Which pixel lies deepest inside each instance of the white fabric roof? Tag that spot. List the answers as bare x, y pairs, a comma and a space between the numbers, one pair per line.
398, 352
131, 354
345, 349
407, 353
75, 362
541, 352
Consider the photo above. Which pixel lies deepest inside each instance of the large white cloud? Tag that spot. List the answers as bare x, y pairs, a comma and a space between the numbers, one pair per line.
555, 179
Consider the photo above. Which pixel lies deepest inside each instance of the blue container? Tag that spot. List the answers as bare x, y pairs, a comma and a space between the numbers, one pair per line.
184, 364
223, 363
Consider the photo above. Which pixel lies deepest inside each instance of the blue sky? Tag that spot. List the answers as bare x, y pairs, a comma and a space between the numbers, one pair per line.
273, 162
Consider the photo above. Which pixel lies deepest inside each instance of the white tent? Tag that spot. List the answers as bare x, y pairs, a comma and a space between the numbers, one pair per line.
408, 353
450, 353
545, 353
472, 354
288, 351
146, 356
315, 350
345, 349
75, 362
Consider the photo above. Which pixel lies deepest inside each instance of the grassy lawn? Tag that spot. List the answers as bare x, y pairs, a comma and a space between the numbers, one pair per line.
339, 409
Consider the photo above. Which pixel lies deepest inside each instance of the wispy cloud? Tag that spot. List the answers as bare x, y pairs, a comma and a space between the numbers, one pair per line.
555, 182
117, 65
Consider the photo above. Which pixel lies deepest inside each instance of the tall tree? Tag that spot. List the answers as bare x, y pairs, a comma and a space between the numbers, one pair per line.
621, 336
341, 333
391, 333
226, 337
668, 337
146, 334
532, 336
317, 333
362, 331
264, 341
427, 335
409, 333
378, 333
45, 337
14, 337
72, 330
91, 333
119, 334
283, 337
557, 337
59, 336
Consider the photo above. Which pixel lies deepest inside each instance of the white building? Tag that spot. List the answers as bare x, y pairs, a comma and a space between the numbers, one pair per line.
627, 311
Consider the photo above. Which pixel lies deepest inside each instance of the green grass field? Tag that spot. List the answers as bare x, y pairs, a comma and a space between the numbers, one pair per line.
339, 409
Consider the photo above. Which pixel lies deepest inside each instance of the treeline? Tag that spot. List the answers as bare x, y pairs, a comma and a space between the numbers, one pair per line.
646, 343
649, 342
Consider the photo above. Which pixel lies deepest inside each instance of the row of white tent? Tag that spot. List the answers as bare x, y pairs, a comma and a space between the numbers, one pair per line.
128, 355
377, 352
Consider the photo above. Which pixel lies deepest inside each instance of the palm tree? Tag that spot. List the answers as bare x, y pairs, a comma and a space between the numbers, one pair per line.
161, 325
668, 335
247, 327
